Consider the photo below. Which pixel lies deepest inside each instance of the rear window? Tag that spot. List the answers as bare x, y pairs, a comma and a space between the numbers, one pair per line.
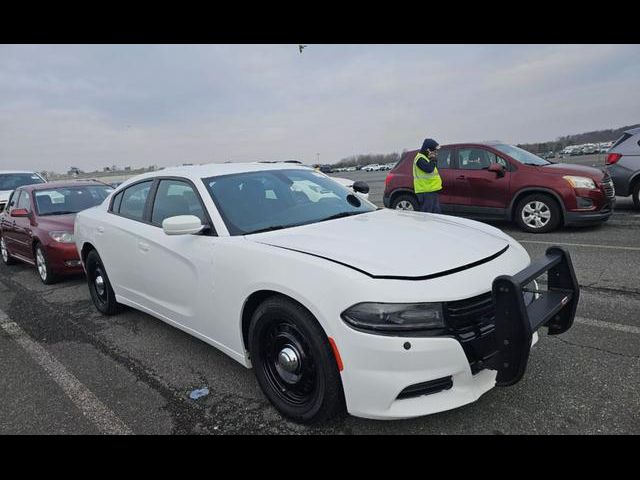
623, 138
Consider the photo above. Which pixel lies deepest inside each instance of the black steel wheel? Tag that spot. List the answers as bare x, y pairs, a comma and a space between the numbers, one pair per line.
294, 362
99, 286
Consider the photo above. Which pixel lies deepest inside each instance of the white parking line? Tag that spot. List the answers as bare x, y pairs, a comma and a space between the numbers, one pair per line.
587, 245
102, 417
612, 326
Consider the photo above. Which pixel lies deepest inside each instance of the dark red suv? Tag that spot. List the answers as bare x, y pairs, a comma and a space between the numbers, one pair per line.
37, 225
496, 181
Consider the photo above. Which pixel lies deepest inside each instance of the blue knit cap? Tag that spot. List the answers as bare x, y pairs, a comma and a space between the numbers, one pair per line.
429, 144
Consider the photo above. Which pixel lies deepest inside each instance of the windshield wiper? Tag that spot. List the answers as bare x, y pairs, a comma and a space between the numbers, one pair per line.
269, 229
340, 215
56, 213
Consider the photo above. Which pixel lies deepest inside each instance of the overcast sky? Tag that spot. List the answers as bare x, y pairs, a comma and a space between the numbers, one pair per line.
95, 105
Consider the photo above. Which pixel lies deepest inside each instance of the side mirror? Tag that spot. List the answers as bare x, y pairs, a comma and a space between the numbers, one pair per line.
361, 187
182, 225
19, 212
497, 169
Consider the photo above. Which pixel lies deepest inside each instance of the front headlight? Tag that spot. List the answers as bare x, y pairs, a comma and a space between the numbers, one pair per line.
580, 182
395, 317
62, 237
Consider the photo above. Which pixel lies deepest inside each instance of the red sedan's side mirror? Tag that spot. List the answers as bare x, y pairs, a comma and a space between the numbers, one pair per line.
19, 212
497, 169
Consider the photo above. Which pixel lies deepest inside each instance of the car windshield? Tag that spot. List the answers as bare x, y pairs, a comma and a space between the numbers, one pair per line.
11, 181
65, 200
521, 155
273, 199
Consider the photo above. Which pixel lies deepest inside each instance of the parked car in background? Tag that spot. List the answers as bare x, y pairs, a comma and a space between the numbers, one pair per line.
296, 288
10, 180
373, 167
503, 182
623, 163
37, 225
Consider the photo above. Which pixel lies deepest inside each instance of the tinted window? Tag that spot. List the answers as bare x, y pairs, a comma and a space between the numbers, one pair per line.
521, 155
134, 200
444, 158
176, 198
11, 181
24, 201
115, 206
64, 200
274, 199
620, 140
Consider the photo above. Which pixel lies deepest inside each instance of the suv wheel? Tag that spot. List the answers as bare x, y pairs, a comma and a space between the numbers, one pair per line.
636, 194
405, 201
537, 213
294, 362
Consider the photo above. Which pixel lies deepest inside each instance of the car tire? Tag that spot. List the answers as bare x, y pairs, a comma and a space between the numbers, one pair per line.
7, 259
100, 289
635, 194
294, 363
405, 201
538, 213
43, 266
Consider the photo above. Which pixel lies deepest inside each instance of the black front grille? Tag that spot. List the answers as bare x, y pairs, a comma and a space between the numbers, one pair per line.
472, 322
607, 186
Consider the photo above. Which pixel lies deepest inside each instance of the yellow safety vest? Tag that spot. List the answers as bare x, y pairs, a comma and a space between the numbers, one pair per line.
424, 182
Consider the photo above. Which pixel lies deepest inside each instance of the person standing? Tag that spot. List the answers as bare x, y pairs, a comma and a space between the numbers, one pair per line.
426, 179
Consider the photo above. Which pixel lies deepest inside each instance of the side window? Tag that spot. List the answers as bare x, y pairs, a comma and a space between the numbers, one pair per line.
115, 206
175, 197
444, 158
474, 158
13, 200
501, 161
24, 201
134, 200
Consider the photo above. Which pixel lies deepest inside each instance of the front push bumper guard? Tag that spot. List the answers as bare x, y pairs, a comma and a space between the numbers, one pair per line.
515, 323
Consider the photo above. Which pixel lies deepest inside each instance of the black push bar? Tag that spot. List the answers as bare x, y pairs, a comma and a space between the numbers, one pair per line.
515, 323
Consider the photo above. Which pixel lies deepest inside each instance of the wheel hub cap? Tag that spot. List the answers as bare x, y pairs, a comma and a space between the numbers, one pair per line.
42, 269
3, 248
99, 285
289, 360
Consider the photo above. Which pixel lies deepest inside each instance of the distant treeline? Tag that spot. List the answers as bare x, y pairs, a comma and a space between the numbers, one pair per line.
596, 136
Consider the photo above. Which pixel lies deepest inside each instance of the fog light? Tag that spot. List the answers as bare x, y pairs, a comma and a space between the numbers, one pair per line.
73, 263
584, 202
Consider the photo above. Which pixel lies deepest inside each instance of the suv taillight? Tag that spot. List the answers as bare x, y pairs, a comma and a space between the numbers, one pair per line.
613, 158
388, 179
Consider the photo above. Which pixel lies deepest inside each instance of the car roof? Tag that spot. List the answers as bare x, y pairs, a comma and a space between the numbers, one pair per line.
28, 172
197, 172
64, 183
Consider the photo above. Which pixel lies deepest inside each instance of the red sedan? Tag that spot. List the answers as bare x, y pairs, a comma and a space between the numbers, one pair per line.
37, 225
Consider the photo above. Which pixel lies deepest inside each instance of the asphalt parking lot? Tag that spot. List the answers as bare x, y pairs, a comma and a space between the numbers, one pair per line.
66, 369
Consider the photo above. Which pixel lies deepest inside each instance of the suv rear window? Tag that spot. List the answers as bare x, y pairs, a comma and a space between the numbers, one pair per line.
624, 137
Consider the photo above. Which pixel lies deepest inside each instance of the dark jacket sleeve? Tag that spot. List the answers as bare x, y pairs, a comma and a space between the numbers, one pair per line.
426, 166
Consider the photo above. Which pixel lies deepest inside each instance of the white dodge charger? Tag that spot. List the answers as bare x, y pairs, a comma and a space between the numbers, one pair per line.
335, 303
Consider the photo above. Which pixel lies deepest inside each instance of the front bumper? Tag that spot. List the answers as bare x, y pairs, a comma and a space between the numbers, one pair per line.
64, 259
588, 218
380, 370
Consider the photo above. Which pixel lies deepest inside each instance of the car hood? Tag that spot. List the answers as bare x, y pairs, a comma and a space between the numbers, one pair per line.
54, 223
4, 195
569, 169
392, 244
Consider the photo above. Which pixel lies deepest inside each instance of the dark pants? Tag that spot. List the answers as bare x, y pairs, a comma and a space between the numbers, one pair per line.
429, 202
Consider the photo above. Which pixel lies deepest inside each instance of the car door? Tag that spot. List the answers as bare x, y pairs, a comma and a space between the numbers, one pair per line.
21, 228
176, 270
118, 241
445, 170
477, 190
